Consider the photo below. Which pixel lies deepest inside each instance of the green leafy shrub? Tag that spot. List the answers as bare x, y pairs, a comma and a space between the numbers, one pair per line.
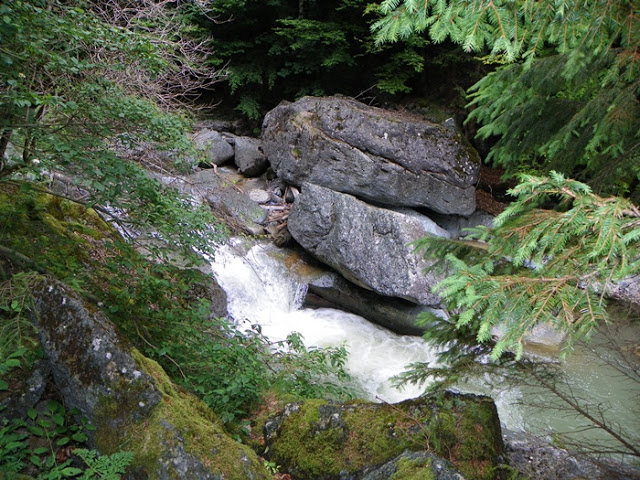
46, 445
232, 370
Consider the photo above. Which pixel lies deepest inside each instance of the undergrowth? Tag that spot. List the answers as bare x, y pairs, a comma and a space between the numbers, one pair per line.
164, 310
47, 443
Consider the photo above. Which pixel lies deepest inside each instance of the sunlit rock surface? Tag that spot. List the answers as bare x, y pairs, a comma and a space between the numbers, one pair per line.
370, 246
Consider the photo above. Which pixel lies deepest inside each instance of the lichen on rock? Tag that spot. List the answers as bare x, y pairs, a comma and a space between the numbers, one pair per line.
130, 399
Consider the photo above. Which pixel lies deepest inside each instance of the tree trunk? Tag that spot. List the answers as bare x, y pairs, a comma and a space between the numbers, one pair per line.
4, 143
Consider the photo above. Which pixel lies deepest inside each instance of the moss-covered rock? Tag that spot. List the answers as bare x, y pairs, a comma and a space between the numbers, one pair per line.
129, 399
56, 235
415, 466
324, 441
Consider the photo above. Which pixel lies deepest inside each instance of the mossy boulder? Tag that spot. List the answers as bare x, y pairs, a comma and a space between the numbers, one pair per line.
129, 398
325, 441
415, 466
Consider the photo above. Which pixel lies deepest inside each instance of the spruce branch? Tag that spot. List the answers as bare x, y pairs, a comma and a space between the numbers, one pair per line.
539, 265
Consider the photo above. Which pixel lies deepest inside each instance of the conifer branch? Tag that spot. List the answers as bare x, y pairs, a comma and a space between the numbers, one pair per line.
540, 266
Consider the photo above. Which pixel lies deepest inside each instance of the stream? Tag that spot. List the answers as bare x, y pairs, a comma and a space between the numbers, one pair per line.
264, 286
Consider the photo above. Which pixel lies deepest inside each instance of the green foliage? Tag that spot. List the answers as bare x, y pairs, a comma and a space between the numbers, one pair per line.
579, 116
510, 29
570, 103
67, 106
16, 329
44, 444
540, 266
310, 372
231, 370
8, 363
107, 467
278, 50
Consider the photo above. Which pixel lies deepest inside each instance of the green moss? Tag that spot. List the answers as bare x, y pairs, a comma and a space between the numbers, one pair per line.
466, 431
303, 445
179, 422
419, 469
322, 440
375, 434
59, 235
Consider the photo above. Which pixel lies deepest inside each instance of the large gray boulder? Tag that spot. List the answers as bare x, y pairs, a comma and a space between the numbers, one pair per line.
368, 245
129, 398
379, 155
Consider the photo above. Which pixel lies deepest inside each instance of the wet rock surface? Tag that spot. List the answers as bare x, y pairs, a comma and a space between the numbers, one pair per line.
536, 459
396, 314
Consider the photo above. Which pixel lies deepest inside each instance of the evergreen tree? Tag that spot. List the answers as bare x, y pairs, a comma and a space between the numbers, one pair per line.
539, 266
270, 51
551, 260
566, 94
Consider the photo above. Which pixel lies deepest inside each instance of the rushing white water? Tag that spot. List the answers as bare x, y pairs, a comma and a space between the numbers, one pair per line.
261, 290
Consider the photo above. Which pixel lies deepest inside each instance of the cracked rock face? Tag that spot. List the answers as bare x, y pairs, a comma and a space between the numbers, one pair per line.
378, 155
370, 246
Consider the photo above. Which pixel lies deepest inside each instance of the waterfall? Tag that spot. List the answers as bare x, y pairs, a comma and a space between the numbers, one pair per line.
261, 290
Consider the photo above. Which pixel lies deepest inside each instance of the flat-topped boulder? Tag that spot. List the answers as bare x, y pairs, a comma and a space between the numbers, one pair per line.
321, 440
382, 156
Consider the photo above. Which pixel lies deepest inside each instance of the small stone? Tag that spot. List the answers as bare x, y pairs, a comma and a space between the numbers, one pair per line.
259, 196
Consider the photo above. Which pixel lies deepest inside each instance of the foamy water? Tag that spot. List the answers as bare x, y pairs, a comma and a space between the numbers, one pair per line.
261, 291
